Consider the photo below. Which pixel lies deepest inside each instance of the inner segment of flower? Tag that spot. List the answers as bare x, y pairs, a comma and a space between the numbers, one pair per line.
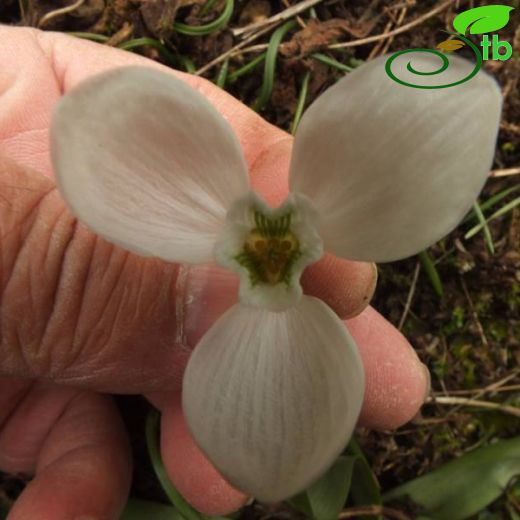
270, 251
269, 248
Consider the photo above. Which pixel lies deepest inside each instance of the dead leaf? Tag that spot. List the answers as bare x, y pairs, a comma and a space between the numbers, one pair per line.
314, 36
159, 16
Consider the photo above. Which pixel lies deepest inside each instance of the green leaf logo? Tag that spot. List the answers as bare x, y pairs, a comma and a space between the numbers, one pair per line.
483, 19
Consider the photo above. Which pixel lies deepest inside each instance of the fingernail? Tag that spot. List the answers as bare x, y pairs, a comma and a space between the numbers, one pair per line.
370, 289
427, 375
204, 293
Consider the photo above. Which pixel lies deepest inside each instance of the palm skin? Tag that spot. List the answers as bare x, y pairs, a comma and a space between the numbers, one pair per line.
80, 318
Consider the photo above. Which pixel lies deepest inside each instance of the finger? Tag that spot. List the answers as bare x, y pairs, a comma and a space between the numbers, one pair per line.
346, 286
397, 383
190, 471
58, 63
82, 464
28, 419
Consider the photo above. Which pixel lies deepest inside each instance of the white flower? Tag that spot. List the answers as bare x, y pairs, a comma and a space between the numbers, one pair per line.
379, 171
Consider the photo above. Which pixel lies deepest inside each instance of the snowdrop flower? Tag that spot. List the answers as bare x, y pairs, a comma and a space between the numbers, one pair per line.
273, 390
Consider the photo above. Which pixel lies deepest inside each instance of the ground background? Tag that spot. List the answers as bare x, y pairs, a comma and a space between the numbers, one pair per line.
469, 338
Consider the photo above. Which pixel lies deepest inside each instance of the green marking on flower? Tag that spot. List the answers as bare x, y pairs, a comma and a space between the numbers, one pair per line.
270, 250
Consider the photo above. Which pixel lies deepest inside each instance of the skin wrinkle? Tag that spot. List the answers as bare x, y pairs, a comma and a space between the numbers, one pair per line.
104, 309
103, 312
50, 308
23, 224
76, 352
11, 343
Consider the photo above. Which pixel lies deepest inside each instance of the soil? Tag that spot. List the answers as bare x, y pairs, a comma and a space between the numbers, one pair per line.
470, 337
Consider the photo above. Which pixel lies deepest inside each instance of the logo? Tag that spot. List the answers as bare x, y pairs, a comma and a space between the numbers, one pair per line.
480, 20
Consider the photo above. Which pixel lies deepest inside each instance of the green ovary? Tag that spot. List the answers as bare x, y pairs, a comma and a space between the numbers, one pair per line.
270, 250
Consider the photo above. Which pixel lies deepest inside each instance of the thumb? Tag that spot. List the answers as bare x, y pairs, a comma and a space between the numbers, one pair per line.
78, 310
74, 308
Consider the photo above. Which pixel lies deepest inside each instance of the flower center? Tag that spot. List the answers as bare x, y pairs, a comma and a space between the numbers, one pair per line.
269, 248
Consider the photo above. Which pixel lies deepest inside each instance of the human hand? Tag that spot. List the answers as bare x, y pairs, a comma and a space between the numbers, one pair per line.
80, 316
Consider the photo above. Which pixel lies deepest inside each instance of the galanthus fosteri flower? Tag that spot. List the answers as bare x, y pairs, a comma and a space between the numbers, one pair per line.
379, 171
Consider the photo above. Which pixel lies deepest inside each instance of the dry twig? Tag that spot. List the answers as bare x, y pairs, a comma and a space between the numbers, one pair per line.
505, 172
497, 386
277, 18
355, 43
60, 12
395, 32
476, 319
234, 50
409, 298
462, 401
400, 20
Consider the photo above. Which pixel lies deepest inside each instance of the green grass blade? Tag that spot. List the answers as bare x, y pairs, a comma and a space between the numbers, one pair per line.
188, 64
364, 488
100, 38
222, 76
502, 211
463, 487
248, 67
492, 201
23, 6
207, 7
487, 233
301, 102
270, 64
432, 273
328, 495
331, 62
215, 25
152, 442
325, 499
168, 56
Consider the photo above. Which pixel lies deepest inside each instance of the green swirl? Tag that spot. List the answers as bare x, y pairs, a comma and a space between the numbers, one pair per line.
444, 66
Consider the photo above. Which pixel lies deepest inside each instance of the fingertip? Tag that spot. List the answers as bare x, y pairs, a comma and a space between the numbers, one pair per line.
346, 286
397, 383
269, 172
191, 472
84, 466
